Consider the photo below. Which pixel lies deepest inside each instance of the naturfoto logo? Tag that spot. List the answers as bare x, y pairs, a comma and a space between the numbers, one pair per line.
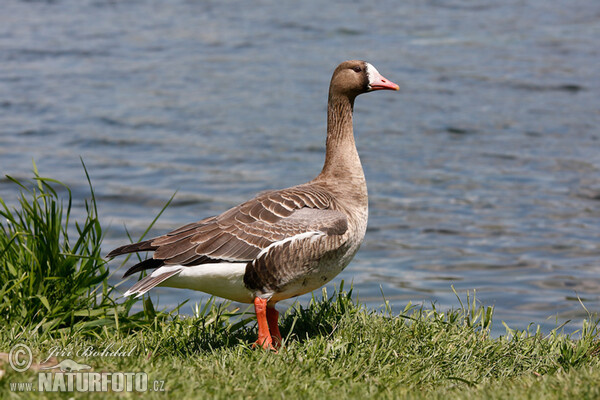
69, 375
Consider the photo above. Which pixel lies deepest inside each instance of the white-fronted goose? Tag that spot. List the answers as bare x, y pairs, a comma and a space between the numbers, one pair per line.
282, 243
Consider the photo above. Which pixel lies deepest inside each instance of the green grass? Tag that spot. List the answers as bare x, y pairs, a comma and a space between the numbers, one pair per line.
333, 346
48, 278
52, 274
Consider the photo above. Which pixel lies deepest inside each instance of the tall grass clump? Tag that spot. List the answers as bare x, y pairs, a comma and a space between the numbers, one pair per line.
52, 273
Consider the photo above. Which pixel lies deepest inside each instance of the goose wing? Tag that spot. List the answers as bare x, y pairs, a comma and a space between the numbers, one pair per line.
243, 232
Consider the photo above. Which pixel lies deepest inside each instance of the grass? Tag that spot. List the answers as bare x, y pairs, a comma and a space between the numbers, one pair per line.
52, 273
47, 278
334, 346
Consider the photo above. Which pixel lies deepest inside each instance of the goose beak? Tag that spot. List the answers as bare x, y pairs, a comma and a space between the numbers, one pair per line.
378, 82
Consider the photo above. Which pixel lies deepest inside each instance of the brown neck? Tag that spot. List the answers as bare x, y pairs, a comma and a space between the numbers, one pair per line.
341, 157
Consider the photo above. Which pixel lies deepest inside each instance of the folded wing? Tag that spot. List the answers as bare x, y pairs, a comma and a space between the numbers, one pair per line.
241, 233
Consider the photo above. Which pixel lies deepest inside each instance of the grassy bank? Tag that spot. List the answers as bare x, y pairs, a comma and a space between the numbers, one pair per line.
334, 346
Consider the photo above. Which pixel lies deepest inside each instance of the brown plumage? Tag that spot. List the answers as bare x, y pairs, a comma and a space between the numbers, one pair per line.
281, 243
242, 232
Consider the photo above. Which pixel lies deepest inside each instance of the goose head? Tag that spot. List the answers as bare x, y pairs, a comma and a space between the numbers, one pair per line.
355, 77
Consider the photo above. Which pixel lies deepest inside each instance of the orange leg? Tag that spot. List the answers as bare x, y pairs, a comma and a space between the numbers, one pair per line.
264, 337
273, 320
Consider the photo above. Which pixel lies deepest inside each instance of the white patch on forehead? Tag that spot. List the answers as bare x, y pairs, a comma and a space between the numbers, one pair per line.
372, 73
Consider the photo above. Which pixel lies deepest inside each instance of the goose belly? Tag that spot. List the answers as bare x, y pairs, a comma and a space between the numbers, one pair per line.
224, 280
327, 268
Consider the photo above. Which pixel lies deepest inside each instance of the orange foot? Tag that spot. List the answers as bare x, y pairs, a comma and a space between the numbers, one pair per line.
265, 343
273, 320
264, 335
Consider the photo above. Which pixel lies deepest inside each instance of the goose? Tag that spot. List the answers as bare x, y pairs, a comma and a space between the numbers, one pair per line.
282, 243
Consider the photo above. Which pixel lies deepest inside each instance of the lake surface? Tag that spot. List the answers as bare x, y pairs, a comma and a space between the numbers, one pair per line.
483, 171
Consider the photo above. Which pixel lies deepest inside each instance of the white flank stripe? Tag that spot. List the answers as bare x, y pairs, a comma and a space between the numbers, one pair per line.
300, 236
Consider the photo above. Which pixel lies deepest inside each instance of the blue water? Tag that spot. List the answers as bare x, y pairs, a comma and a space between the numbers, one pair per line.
483, 171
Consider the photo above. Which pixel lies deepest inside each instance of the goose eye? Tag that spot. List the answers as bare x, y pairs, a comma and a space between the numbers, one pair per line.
357, 69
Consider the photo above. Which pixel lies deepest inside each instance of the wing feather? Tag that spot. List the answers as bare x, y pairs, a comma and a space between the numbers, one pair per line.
241, 233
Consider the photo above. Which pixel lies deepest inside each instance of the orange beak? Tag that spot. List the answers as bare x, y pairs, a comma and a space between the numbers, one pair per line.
378, 82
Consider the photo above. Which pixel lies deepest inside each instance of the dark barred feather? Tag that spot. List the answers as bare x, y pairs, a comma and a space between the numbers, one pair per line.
241, 233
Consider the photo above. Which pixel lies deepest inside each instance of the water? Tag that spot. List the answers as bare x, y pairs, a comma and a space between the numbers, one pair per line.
482, 171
